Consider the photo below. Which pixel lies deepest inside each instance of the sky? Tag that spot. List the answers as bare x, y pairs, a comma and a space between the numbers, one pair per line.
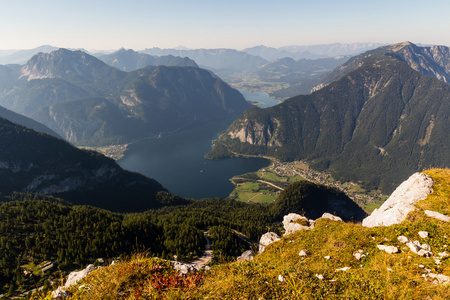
236, 24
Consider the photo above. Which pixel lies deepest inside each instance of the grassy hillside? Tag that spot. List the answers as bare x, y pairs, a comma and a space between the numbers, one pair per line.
377, 274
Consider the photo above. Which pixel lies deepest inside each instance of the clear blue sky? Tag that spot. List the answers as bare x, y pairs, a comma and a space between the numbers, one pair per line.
139, 24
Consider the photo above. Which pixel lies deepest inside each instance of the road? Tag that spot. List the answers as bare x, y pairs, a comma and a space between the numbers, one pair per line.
207, 255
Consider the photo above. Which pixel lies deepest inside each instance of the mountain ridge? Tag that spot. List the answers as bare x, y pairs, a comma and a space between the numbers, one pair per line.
379, 115
79, 176
147, 101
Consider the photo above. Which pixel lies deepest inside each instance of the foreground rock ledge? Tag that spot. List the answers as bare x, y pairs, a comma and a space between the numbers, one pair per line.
395, 209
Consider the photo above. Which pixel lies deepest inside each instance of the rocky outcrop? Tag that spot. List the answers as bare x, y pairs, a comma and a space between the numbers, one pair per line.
294, 222
247, 255
185, 268
76, 276
395, 209
267, 239
436, 215
331, 217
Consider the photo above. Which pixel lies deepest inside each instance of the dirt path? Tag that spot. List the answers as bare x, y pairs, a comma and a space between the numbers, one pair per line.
207, 255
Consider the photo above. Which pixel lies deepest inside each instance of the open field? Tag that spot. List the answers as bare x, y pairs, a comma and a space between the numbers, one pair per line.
264, 185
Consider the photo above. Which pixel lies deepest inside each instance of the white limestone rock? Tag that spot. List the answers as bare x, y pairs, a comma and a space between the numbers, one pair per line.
331, 217
267, 239
76, 276
186, 268
60, 293
388, 249
420, 249
440, 278
413, 247
403, 239
344, 269
304, 253
320, 276
291, 225
395, 209
436, 215
247, 255
358, 255
423, 234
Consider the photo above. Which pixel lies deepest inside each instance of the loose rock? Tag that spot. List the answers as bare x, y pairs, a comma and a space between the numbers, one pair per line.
436, 215
403, 239
60, 293
331, 217
247, 255
304, 253
320, 276
423, 234
388, 249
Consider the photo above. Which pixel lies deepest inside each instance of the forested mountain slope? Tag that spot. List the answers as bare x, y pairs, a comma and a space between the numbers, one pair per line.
377, 124
37, 162
90, 103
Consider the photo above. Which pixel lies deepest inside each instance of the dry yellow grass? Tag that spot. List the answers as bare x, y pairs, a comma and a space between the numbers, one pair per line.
378, 275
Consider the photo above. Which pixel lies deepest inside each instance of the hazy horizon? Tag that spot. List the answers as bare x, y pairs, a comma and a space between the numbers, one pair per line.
138, 24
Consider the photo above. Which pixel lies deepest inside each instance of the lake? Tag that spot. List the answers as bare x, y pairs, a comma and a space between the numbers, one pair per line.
177, 161
261, 97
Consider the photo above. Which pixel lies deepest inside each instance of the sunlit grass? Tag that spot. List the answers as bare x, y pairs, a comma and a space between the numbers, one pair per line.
378, 275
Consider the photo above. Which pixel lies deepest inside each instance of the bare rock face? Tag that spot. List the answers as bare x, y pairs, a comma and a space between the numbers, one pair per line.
436, 215
294, 222
247, 255
331, 217
401, 201
74, 277
267, 239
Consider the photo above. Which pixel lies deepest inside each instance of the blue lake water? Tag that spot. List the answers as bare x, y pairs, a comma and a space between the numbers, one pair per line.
177, 161
261, 97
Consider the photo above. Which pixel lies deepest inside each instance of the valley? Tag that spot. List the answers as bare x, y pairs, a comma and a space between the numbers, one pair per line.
265, 185
186, 153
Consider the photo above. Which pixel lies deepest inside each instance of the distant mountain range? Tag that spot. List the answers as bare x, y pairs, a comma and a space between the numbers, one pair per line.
287, 77
22, 56
311, 51
220, 61
91, 103
241, 69
381, 120
129, 60
39, 163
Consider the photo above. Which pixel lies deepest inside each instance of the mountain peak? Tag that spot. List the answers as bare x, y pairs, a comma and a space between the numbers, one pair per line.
60, 64
400, 46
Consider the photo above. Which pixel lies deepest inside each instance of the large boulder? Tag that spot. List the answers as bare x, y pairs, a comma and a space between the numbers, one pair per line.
267, 239
294, 222
247, 255
395, 209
